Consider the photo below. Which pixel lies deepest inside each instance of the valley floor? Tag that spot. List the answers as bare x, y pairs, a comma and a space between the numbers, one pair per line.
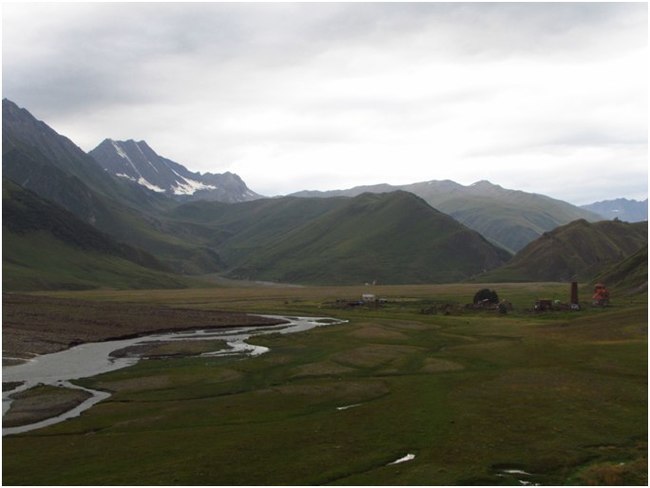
33, 324
460, 396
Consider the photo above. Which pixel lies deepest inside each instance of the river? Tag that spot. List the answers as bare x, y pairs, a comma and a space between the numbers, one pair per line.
91, 359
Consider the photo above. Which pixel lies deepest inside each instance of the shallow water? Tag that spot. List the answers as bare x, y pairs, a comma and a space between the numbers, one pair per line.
91, 359
405, 459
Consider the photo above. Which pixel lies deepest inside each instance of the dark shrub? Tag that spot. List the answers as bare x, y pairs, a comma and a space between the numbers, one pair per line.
486, 294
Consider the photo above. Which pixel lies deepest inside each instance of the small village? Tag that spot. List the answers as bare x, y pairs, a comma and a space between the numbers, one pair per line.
485, 300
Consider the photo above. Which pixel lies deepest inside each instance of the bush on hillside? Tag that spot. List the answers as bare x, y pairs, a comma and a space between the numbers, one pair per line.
486, 294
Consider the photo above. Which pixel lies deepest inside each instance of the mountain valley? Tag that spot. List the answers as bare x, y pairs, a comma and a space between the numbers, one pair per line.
413, 371
190, 224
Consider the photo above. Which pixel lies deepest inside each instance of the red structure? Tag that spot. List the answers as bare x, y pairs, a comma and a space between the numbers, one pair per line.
601, 295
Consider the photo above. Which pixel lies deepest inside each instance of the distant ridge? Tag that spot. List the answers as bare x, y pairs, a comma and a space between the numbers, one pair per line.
576, 251
137, 162
621, 208
508, 218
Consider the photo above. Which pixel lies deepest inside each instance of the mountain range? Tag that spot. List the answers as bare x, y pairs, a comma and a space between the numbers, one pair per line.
621, 209
137, 162
508, 218
389, 238
123, 216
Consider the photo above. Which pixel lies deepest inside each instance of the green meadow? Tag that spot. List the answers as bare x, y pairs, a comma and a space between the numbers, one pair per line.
477, 397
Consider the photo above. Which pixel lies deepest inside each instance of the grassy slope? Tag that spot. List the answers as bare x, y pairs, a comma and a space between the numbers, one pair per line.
47, 163
508, 218
391, 238
39, 261
465, 393
46, 247
237, 230
576, 251
510, 226
628, 275
174, 244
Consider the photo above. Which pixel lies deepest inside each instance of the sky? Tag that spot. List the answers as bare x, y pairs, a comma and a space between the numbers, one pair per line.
547, 98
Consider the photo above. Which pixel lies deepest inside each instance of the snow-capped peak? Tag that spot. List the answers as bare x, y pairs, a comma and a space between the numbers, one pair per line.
139, 163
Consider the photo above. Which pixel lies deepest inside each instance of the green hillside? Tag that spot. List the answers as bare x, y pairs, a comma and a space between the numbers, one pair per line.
240, 229
629, 275
388, 238
508, 218
510, 224
46, 247
47, 163
576, 251
378, 236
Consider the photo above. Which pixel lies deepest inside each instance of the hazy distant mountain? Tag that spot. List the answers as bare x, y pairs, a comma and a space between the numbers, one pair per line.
137, 162
509, 218
621, 208
576, 251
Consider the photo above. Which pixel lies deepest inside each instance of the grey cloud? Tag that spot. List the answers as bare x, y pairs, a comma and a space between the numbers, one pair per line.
152, 68
101, 54
549, 143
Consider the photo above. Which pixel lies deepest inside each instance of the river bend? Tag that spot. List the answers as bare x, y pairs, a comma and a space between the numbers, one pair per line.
94, 358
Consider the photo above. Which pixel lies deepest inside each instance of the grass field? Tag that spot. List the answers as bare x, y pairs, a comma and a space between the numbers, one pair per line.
477, 397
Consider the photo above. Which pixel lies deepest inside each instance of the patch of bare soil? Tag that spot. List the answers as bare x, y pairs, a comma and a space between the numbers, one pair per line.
11, 385
169, 349
323, 368
40, 325
348, 391
373, 355
435, 365
138, 384
40, 403
377, 332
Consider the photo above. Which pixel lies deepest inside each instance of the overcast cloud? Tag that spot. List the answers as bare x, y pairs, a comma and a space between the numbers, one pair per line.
546, 98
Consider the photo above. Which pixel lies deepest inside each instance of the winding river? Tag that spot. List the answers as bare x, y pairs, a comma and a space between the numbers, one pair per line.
91, 359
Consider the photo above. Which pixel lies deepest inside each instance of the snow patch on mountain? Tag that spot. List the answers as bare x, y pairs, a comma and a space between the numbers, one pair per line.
151, 186
137, 162
190, 187
141, 181
137, 145
120, 151
124, 155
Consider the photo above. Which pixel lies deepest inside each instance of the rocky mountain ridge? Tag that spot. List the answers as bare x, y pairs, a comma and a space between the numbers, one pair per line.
139, 163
